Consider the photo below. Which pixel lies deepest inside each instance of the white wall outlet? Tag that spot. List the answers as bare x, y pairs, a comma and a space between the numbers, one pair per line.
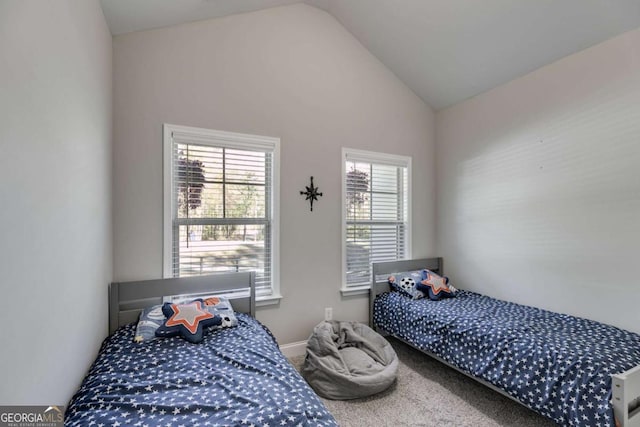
328, 313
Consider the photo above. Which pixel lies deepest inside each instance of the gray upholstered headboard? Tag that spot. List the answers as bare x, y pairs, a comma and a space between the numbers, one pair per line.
128, 299
385, 268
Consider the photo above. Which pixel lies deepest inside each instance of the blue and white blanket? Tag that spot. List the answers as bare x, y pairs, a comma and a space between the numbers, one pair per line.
236, 377
556, 364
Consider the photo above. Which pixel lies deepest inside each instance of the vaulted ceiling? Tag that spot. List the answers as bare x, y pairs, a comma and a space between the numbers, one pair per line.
444, 50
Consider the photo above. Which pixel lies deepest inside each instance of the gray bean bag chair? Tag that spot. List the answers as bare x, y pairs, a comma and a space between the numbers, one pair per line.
348, 360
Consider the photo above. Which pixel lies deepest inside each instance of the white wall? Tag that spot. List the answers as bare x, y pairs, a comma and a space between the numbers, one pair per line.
539, 186
55, 193
292, 72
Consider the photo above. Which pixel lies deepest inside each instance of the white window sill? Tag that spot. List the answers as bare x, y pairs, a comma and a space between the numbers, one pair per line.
264, 300
355, 290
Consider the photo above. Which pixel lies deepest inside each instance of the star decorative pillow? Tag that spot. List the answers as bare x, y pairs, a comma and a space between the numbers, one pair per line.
187, 320
436, 287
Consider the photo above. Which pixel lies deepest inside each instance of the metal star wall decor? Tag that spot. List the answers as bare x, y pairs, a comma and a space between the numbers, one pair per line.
312, 193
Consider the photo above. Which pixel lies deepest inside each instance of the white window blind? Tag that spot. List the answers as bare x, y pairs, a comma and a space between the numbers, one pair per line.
376, 212
221, 198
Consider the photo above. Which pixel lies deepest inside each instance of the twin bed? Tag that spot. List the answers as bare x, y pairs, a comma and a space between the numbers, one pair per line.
574, 371
236, 376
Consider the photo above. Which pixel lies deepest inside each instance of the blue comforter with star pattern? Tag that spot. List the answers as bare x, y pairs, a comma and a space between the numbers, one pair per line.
556, 364
237, 376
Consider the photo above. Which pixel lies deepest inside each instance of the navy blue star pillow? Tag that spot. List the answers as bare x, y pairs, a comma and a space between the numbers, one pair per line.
435, 287
187, 320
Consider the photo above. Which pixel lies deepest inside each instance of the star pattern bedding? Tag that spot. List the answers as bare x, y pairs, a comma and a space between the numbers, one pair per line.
556, 364
236, 376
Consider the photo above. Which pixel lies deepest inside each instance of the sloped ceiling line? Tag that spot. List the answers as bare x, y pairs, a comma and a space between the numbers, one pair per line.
446, 51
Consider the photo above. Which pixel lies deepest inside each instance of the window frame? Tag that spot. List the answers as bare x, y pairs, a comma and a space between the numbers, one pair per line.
231, 140
350, 154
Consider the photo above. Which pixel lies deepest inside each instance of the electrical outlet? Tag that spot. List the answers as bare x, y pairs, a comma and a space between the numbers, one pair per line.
328, 313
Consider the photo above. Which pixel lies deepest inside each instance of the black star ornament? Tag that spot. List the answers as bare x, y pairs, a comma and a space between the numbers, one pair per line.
312, 193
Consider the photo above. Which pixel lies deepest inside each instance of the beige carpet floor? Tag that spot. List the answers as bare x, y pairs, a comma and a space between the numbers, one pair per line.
428, 393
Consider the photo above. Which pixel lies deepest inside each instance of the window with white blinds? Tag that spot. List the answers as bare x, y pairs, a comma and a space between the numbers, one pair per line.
220, 189
376, 212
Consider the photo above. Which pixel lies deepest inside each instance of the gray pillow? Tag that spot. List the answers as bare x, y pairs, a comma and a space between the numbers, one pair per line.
150, 319
405, 283
221, 306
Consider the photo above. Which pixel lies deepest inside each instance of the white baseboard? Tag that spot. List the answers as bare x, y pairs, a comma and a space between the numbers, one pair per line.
294, 349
